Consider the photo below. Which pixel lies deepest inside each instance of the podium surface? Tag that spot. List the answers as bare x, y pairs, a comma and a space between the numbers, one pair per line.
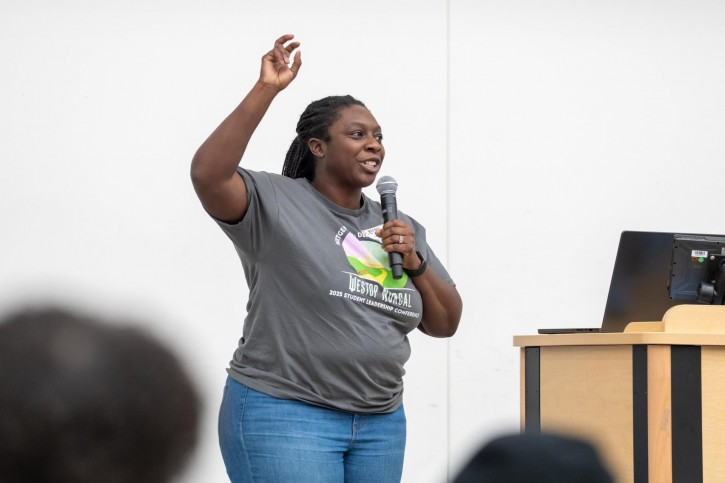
652, 398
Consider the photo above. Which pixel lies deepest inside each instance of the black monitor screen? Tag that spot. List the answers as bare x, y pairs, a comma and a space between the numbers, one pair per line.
696, 271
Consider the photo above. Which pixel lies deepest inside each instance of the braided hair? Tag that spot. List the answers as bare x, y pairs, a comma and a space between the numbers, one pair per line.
314, 123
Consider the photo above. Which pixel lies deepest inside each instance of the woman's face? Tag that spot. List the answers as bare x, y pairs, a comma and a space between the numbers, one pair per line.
354, 153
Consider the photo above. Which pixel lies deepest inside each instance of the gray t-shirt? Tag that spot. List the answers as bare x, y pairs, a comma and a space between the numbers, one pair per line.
326, 323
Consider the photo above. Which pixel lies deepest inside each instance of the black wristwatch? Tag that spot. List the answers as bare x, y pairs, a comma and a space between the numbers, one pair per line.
419, 270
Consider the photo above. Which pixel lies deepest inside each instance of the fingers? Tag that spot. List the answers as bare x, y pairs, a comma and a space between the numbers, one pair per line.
402, 240
282, 52
283, 39
276, 69
397, 237
297, 62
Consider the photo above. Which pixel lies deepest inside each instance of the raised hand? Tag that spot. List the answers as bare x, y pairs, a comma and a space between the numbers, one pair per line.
214, 167
276, 69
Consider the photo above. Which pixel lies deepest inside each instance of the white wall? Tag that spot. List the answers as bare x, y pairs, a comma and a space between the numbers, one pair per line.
570, 122
525, 135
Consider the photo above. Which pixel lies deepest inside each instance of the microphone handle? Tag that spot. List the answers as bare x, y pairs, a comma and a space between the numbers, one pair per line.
390, 212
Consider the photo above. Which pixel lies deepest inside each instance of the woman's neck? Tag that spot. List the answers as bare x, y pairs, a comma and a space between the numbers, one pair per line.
347, 198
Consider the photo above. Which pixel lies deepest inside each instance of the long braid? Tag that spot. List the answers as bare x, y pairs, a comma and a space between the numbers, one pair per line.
314, 123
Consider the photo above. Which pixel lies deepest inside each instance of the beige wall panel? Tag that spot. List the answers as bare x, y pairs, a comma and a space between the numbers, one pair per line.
713, 416
587, 392
659, 413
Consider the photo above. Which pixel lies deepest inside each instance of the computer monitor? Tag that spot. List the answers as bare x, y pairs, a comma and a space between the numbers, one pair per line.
638, 290
697, 269
654, 271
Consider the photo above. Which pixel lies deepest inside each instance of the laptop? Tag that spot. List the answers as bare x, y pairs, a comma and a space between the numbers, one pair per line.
638, 291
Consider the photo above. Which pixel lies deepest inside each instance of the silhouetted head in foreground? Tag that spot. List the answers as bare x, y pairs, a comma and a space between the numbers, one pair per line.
82, 400
535, 458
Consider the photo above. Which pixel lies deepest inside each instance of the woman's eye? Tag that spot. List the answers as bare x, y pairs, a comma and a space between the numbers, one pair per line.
379, 137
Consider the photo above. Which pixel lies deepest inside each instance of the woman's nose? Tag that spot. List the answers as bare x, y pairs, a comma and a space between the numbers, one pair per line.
374, 144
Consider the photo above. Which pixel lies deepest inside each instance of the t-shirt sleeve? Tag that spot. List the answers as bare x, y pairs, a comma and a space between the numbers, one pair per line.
253, 234
421, 245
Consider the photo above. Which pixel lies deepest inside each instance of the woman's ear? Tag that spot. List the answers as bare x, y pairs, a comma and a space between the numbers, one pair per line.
317, 147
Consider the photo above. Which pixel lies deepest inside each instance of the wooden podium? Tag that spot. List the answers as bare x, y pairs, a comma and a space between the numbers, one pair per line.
652, 398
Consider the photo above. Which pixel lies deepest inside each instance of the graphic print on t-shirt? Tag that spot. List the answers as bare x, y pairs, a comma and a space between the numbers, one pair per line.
371, 281
370, 261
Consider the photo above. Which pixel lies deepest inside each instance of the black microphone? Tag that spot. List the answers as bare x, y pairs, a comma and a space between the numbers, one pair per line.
387, 187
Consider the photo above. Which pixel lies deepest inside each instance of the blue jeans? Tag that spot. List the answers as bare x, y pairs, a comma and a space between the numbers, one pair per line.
266, 439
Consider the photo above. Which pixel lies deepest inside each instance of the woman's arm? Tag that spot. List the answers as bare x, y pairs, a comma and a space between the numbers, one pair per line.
213, 170
442, 305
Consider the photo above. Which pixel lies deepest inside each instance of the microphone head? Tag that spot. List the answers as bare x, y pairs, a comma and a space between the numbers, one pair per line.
386, 185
